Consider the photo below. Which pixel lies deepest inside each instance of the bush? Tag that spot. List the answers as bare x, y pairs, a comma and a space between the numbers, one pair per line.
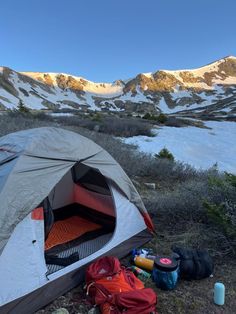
162, 118
162, 171
120, 127
147, 116
182, 203
230, 178
220, 206
42, 116
165, 153
201, 213
223, 216
125, 127
97, 117
14, 121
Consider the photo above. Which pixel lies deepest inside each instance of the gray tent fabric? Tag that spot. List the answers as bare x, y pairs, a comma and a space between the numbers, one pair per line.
33, 161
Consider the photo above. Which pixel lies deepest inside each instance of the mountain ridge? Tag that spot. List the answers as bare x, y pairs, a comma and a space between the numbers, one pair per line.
167, 91
124, 80
144, 73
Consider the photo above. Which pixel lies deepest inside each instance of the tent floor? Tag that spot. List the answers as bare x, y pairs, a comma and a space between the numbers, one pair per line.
84, 249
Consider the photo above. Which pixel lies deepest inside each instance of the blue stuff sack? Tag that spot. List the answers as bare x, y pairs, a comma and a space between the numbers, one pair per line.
165, 272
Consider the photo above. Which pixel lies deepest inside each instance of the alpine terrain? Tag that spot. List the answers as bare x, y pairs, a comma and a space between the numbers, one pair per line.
209, 90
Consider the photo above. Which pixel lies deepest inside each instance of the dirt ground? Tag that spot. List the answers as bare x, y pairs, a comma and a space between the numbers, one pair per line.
196, 297
189, 297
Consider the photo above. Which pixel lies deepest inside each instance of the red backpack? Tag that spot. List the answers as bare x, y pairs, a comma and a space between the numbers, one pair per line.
116, 289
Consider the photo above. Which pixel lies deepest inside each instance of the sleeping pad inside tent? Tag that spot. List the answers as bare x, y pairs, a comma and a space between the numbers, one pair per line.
83, 225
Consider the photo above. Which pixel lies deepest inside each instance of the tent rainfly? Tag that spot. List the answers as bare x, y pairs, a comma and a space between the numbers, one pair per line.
64, 201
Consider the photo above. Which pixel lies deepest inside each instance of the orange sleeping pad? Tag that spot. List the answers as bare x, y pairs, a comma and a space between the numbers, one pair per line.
69, 229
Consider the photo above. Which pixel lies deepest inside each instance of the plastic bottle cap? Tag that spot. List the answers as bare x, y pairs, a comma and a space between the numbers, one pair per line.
165, 263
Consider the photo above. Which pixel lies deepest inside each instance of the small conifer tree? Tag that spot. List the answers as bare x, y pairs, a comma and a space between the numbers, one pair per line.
22, 108
165, 153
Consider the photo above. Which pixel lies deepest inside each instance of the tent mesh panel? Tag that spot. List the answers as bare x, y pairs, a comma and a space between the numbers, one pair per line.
84, 249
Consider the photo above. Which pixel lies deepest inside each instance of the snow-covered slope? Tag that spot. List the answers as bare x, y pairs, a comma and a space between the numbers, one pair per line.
200, 147
210, 89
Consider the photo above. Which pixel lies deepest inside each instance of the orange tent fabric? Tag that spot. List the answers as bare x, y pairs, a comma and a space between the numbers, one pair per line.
37, 214
69, 229
102, 203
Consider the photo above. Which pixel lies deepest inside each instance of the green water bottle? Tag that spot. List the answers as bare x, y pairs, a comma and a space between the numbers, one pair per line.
140, 273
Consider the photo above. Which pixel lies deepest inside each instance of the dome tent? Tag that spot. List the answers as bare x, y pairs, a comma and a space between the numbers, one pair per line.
64, 201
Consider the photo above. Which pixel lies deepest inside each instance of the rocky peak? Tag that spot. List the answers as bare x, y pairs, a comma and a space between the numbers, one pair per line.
163, 90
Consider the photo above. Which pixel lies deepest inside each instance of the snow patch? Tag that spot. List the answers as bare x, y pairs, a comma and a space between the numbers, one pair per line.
31, 101
149, 75
139, 97
61, 114
162, 105
11, 102
198, 147
180, 94
88, 100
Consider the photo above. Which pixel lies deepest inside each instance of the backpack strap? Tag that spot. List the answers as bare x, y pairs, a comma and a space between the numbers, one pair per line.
98, 292
134, 282
127, 276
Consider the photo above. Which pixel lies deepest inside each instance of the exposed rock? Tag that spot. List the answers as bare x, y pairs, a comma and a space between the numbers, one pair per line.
96, 128
151, 186
50, 105
48, 79
6, 84
188, 77
228, 67
24, 91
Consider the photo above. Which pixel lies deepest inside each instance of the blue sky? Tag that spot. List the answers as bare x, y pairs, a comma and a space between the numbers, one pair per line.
105, 40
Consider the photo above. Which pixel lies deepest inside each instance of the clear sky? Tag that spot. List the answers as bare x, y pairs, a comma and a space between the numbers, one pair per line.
105, 40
